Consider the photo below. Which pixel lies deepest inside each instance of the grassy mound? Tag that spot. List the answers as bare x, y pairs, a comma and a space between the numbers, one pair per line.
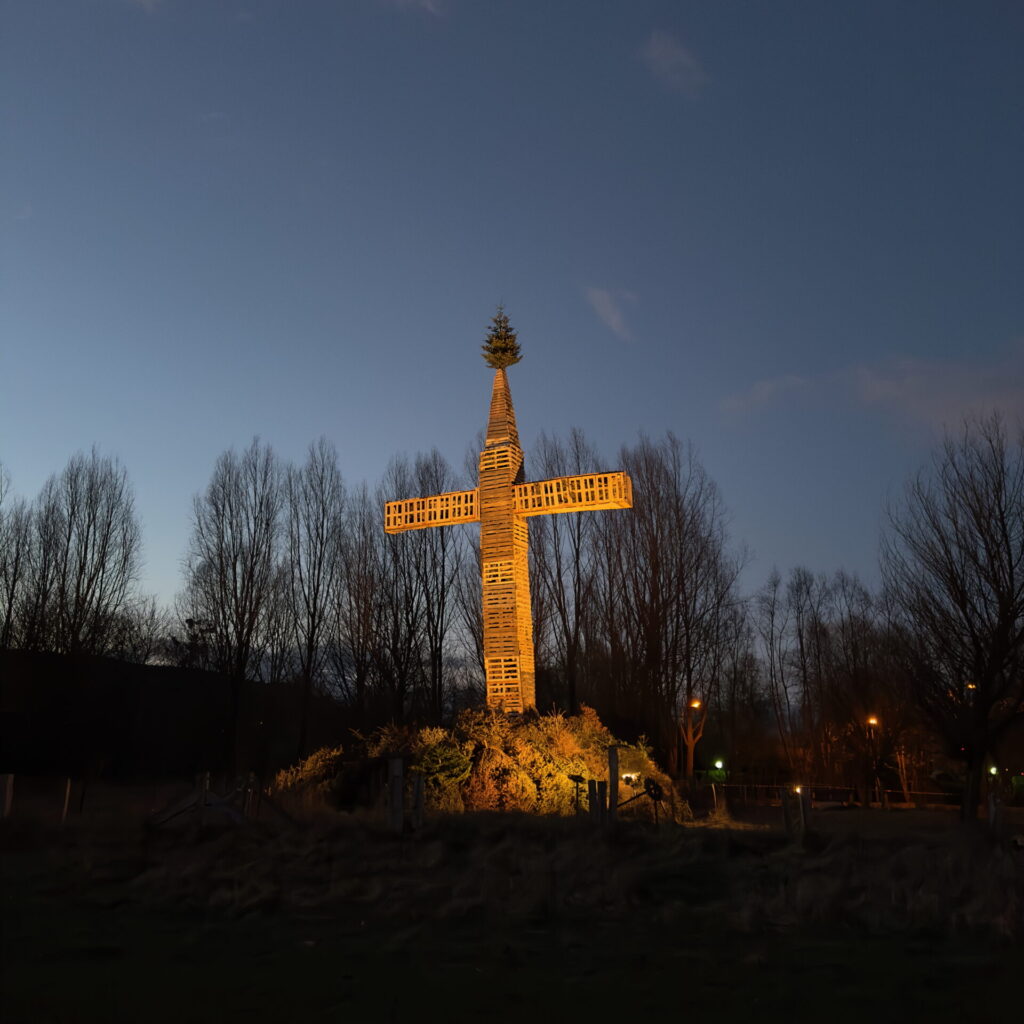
488, 761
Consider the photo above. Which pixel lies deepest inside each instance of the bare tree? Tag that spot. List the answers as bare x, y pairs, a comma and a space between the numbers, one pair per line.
470, 634
140, 631
398, 660
438, 556
355, 595
15, 556
277, 659
666, 583
232, 559
314, 502
953, 565
772, 618
84, 558
563, 556
743, 715
807, 599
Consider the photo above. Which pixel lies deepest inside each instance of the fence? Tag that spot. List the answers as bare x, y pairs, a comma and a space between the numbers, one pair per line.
769, 794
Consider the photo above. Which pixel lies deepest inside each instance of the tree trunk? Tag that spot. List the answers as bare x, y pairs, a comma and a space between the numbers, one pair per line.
307, 691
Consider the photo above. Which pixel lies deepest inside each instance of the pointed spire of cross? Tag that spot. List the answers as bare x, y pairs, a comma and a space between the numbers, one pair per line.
501, 504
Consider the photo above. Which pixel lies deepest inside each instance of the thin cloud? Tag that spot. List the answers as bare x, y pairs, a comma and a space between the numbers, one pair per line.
434, 7
936, 392
605, 305
764, 392
673, 65
942, 393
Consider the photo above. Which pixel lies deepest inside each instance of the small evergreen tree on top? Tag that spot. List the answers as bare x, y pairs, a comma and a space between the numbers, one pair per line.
501, 348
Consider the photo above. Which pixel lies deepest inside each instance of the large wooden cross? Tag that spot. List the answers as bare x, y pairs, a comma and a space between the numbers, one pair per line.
501, 504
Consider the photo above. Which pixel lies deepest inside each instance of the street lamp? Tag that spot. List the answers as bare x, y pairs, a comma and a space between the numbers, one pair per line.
875, 781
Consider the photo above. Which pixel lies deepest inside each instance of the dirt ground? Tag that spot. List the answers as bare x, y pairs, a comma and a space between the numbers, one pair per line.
498, 918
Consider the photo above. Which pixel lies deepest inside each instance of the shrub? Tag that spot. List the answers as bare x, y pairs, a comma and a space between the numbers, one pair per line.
312, 783
492, 761
445, 766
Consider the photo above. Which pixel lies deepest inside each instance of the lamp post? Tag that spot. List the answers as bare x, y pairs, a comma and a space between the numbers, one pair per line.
874, 782
693, 706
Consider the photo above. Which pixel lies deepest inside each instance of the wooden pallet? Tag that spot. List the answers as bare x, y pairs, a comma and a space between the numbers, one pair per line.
501, 504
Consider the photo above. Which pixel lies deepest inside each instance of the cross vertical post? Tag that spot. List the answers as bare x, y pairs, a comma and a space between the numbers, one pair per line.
501, 504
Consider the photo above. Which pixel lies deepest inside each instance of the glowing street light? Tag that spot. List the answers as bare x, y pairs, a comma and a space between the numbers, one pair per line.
694, 703
719, 764
873, 721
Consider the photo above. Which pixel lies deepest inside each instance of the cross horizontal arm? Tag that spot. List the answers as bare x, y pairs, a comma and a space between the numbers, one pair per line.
437, 510
587, 493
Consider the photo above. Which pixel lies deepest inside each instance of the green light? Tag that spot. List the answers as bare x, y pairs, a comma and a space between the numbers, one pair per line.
993, 770
719, 765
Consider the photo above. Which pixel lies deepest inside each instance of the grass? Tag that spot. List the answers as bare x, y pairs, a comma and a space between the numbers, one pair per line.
498, 917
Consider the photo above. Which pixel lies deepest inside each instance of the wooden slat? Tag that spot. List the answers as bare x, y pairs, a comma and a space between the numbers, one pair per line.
438, 510
501, 504
587, 493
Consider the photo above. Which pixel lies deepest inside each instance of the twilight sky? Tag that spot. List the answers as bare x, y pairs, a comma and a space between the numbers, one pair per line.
790, 232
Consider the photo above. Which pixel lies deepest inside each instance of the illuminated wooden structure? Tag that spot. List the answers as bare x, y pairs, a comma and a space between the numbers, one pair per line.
501, 504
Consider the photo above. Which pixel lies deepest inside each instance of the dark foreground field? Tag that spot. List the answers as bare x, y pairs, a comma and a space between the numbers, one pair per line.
488, 918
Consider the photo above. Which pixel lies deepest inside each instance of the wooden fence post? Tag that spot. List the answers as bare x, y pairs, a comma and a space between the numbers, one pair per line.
602, 800
613, 782
417, 801
595, 811
805, 810
67, 801
395, 795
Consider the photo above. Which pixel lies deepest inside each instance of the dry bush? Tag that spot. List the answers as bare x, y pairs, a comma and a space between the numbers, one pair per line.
445, 766
310, 786
498, 783
524, 763
491, 761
